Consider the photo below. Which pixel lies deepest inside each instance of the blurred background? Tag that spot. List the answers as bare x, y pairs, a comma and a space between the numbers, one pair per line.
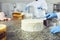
7, 6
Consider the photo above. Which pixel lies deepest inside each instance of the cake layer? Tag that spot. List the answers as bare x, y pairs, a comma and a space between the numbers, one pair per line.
32, 24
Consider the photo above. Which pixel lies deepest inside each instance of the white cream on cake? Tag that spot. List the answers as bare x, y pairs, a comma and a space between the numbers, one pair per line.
32, 25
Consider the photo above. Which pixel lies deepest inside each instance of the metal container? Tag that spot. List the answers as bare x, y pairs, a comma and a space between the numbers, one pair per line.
50, 22
2, 32
17, 15
47, 22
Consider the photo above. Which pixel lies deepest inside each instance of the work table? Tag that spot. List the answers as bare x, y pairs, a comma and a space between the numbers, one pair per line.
14, 32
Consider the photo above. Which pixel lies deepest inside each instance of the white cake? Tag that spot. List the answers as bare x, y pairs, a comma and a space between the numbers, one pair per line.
32, 25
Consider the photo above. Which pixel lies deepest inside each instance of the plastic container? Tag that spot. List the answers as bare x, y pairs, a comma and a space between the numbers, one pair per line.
3, 32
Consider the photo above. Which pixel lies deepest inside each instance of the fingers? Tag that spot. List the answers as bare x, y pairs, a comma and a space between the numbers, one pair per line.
50, 16
47, 15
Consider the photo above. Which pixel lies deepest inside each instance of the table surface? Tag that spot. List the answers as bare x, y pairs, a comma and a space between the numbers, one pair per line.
14, 32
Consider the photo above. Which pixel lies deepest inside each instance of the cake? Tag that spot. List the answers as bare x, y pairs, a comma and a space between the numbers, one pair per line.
32, 25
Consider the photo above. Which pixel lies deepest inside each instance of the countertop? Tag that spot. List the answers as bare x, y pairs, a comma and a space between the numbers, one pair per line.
14, 32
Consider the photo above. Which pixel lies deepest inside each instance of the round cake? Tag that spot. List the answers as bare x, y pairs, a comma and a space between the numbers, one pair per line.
32, 25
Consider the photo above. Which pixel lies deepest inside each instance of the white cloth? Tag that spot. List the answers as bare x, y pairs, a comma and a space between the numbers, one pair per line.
36, 5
